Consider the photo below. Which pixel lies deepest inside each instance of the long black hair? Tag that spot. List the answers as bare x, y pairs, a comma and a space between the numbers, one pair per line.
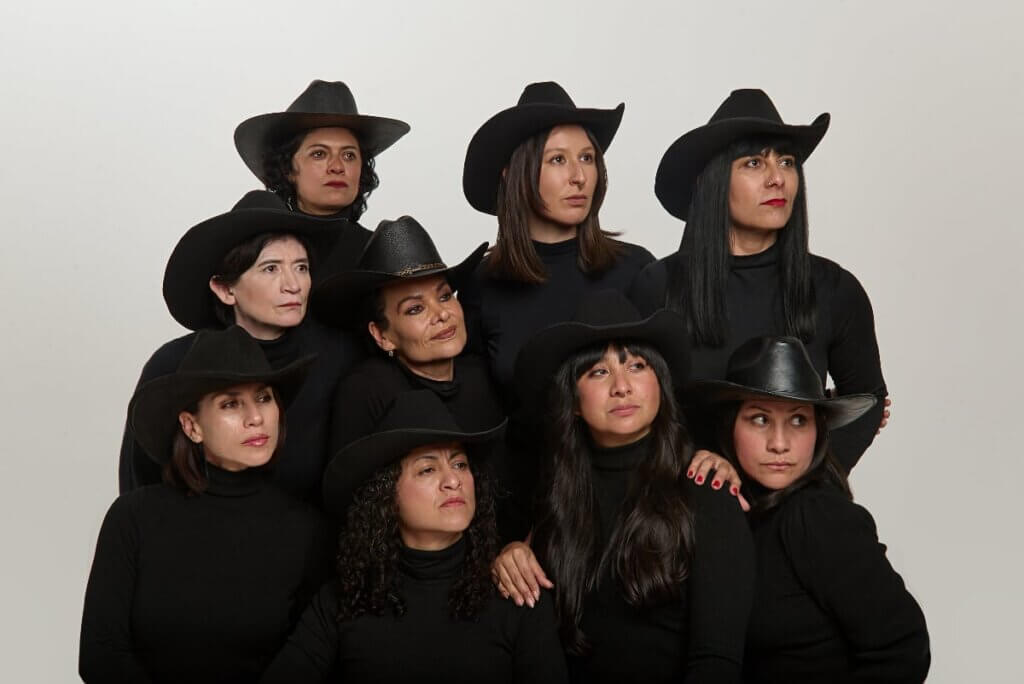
649, 548
823, 469
697, 277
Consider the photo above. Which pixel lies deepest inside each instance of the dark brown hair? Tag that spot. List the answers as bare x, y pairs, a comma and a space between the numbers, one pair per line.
513, 256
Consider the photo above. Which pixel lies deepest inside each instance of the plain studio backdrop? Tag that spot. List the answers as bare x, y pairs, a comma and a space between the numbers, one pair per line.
117, 122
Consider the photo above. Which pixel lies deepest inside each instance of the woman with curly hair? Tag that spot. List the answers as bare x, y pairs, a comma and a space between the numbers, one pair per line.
413, 600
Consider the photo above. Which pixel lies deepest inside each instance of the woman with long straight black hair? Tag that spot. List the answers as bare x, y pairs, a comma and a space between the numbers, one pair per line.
744, 268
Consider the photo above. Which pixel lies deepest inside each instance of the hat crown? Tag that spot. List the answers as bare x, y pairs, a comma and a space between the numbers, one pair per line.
749, 103
325, 97
606, 308
418, 410
546, 92
260, 199
402, 248
225, 352
776, 365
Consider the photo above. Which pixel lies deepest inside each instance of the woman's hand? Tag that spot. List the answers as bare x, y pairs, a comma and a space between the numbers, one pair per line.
705, 462
518, 575
885, 416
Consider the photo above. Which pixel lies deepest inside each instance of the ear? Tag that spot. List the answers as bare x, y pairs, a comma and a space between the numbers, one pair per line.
190, 427
380, 337
223, 292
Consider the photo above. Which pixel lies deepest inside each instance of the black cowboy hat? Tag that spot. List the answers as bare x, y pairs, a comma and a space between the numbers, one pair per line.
747, 112
602, 316
397, 250
541, 106
322, 104
217, 359
199, 252
779, 368
415, 419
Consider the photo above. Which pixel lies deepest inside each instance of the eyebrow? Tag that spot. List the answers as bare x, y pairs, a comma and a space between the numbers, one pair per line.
588, 148
401, 302
278, 260
326, 146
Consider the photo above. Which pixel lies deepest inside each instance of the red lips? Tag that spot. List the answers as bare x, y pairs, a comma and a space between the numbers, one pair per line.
337, 184
453, 501
256, 441
775, 203
446, 334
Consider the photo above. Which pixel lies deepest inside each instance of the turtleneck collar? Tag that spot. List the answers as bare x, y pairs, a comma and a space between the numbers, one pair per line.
621, 458
433, 565
553, 250
446, 389
766, 258
343, 213
283, 350
246, 482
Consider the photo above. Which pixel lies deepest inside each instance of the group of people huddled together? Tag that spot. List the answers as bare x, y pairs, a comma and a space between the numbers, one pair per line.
557, 460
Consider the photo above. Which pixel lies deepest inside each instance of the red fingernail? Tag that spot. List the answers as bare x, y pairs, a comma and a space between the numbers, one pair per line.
716, 484
700, 479
689, 473
735, 490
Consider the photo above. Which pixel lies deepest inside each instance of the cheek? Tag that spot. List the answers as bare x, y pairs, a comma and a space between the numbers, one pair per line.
749, 446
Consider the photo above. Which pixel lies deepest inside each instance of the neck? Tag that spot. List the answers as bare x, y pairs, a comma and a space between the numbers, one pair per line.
429, 540
257, 330
549, 232
442, 370
607, 440
744, 241
317, 210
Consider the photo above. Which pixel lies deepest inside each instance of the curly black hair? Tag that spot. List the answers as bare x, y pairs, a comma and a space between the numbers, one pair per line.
369, 581
277, 167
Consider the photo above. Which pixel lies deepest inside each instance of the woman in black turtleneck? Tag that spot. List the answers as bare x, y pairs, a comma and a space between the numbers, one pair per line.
652, 574
413, 600
251, 267
201, 579
743, 268
402, 296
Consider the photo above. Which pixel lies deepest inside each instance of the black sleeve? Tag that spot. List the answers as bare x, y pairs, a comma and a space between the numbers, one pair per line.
835, 553
648, 290
721, 586
311, 651
469, 298
106, 652
538, 655
854, 364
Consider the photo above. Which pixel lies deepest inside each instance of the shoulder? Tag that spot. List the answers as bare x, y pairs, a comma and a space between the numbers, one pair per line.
821, 513
713, 506
832, 274
166, 359
132, 507
648, 290
634, 255
373, 374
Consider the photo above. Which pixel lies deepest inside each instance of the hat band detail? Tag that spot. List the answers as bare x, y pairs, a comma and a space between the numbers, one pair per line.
411, 270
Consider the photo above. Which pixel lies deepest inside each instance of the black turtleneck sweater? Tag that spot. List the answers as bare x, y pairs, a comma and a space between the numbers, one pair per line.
300, 465
828, 606
698, 638
199, 588
364, 396
844, 344
505, 643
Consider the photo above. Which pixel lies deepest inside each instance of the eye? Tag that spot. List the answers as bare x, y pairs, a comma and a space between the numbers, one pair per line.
426, 470
557, 159
265, 397
759, 419
587, 157
597, 372
787, 161
270, 268
461, 464
414, 310
350, 156
229, 404
317, 154
798, 420
752, 163
302, 268
446, 295
639, 365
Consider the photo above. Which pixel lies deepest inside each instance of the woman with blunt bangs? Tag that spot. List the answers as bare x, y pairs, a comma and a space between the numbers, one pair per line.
413, 600
400, 298
828, 606
743, 268
201, 579
252, 267
652, 574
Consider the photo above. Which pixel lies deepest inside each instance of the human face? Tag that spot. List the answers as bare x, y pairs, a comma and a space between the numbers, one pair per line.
775, 440
272, 294
619, 397
237, 426
425, 325
436, 496
762, 190
325, 171
568, 176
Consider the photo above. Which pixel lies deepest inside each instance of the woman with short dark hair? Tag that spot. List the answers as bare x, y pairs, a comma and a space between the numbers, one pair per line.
199, 579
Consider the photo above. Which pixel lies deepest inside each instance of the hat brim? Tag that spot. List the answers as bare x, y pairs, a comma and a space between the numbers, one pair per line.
255, 137
338, 300
839, 411
493, 144
357, 462
153, 410
200, 251
540, 358
686, 158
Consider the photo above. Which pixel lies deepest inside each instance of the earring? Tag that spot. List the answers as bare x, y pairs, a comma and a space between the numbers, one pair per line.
391, 353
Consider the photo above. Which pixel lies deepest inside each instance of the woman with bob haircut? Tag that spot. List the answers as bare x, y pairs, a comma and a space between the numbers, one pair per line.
401, 298
252, 267
200, 579
828, 606
652, 574
743, 268
413, 600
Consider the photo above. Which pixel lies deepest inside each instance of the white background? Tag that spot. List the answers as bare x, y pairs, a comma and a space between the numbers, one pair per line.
115, 125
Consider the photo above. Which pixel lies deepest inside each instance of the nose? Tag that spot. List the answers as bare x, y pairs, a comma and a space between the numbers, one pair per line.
451, 479
576, 176
778, 440
255, 415
289, 281
620, 385
774, 178
334, 165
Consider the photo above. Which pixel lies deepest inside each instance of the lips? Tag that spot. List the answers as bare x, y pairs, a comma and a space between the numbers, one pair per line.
576, 200
336, 184
775, 203
290, 305
780, 465
257, 441
453, 502
624, 411
446, 334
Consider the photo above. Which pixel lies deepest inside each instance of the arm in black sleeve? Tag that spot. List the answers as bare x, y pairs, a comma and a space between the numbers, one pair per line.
834, 550
854, 364
538, 655
469, 299
721, 586
311, 651
106, 652
648, 290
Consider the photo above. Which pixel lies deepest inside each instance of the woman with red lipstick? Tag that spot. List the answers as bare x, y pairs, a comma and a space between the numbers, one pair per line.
252, 267
413, 600
652, 574
401, 295
828, 606
198, 579
744, 270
